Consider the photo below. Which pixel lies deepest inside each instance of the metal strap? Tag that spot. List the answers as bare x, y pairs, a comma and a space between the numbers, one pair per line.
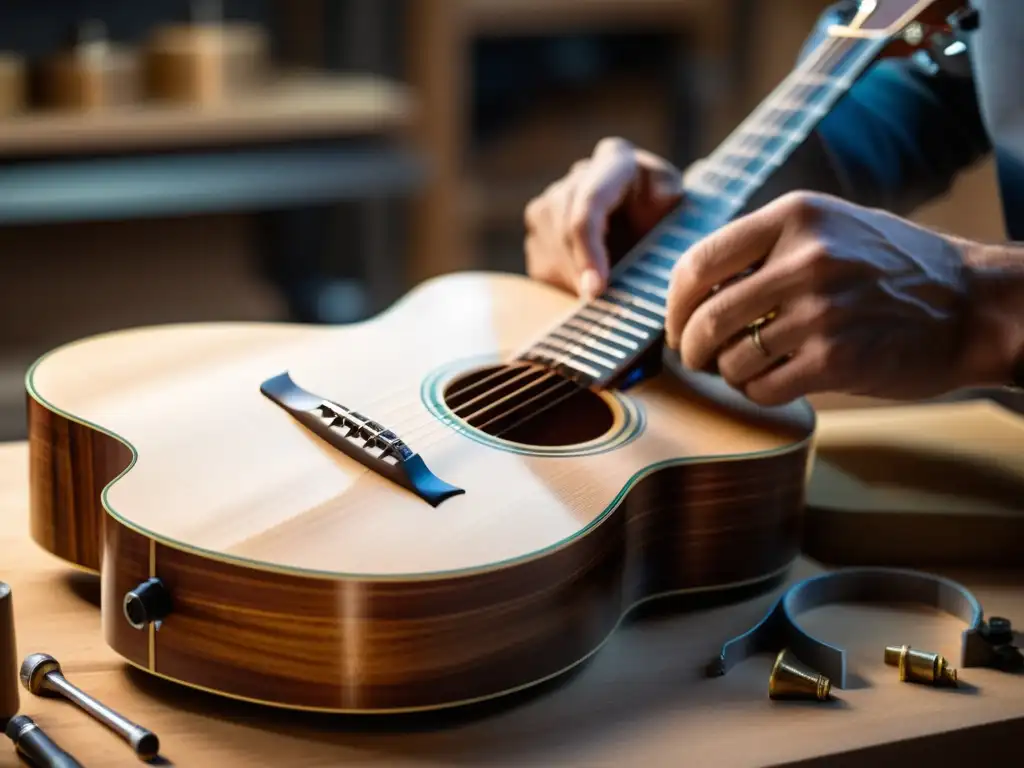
779, 628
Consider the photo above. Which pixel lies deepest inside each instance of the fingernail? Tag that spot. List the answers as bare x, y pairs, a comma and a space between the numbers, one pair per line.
590, 284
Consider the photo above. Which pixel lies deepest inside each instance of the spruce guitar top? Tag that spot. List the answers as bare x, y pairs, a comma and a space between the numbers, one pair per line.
457, 499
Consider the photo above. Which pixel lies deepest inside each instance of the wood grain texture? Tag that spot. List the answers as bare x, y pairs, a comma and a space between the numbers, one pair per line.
301, 578
641, 701
71, 464
350, 645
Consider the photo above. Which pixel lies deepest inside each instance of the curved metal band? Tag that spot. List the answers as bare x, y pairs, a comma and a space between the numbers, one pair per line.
779, 628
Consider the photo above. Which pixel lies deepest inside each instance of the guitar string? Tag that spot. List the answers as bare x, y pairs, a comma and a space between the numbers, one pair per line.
740, 135
414, 431
370, 502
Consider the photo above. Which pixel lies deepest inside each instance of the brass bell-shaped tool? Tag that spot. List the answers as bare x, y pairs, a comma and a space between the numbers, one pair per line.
792, 679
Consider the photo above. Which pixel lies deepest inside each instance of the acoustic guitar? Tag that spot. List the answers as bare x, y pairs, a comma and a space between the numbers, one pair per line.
454, 500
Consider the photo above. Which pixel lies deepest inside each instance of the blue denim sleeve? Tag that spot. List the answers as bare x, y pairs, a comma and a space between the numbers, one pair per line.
896, 140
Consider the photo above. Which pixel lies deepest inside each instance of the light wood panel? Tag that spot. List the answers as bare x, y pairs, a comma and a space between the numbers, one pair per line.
918, 486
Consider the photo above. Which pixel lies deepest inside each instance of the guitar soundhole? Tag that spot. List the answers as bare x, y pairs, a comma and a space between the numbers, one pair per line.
528, 405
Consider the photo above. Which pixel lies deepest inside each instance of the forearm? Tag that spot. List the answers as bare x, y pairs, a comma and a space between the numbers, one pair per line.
900, 137
993, 352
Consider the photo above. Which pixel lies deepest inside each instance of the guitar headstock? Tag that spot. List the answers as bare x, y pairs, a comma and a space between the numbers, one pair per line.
909, 24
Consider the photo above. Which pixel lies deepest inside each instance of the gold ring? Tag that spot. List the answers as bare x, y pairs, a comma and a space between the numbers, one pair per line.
755, 336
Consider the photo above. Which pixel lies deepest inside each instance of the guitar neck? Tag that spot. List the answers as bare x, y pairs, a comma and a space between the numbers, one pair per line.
604, 338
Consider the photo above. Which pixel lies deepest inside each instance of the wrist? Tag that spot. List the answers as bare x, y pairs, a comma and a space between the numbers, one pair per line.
994, 343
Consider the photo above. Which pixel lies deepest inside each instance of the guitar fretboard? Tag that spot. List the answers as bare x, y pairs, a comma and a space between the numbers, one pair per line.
602, 340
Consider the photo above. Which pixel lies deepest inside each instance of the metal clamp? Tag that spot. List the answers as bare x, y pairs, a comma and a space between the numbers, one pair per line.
982, 644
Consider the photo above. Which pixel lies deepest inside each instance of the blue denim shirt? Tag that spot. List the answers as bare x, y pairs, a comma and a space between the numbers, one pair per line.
903, 133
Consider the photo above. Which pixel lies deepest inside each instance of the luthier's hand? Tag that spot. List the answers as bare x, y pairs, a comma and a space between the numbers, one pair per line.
567, 224
865, 303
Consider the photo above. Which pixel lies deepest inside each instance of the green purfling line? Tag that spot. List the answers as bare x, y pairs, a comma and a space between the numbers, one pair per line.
336, 576
432, 391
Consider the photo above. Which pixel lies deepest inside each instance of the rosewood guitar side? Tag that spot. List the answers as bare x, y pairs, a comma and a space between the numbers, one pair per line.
378, 646
69, 466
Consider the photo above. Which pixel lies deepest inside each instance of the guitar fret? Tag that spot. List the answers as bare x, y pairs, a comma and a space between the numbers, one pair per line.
604, 333
815, 78
614, 323
731, 174
562, 359
800, 106
631, 313
739, 152
578, 351
651, 307
642, 285
641, 266
767, 132
628, 314
583, 338
722, 197
683, 233
665, 253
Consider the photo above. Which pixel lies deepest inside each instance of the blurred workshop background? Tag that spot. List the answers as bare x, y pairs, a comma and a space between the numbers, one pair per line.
311, 160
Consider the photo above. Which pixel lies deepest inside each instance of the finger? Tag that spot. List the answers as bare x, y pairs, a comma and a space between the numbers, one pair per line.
783, 336
814, 368
561, 203
601, 188
547, 262
738, 245
734, 307
548, 257
586, 274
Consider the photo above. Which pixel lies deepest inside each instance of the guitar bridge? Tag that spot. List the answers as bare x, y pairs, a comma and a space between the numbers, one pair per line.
359, 438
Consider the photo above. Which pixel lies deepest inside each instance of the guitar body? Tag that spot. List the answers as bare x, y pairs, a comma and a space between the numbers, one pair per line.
292, 574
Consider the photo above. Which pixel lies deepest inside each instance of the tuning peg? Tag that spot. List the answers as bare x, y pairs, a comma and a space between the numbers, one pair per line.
920, 666
792, 679
965, 20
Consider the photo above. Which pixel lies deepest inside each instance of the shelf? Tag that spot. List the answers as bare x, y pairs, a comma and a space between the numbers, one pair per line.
202, 182
295, 106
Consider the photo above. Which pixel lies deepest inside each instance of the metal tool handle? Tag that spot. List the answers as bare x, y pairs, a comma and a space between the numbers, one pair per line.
30, 740
143, 741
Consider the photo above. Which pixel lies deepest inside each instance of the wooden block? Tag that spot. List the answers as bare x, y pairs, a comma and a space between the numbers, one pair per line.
205, 64
95, 76
12, 84
918, 486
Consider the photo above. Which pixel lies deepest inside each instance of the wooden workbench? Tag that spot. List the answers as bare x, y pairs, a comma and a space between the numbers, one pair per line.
641, 701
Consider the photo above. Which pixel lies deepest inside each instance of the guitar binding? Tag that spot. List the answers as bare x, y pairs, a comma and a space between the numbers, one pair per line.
360, 438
